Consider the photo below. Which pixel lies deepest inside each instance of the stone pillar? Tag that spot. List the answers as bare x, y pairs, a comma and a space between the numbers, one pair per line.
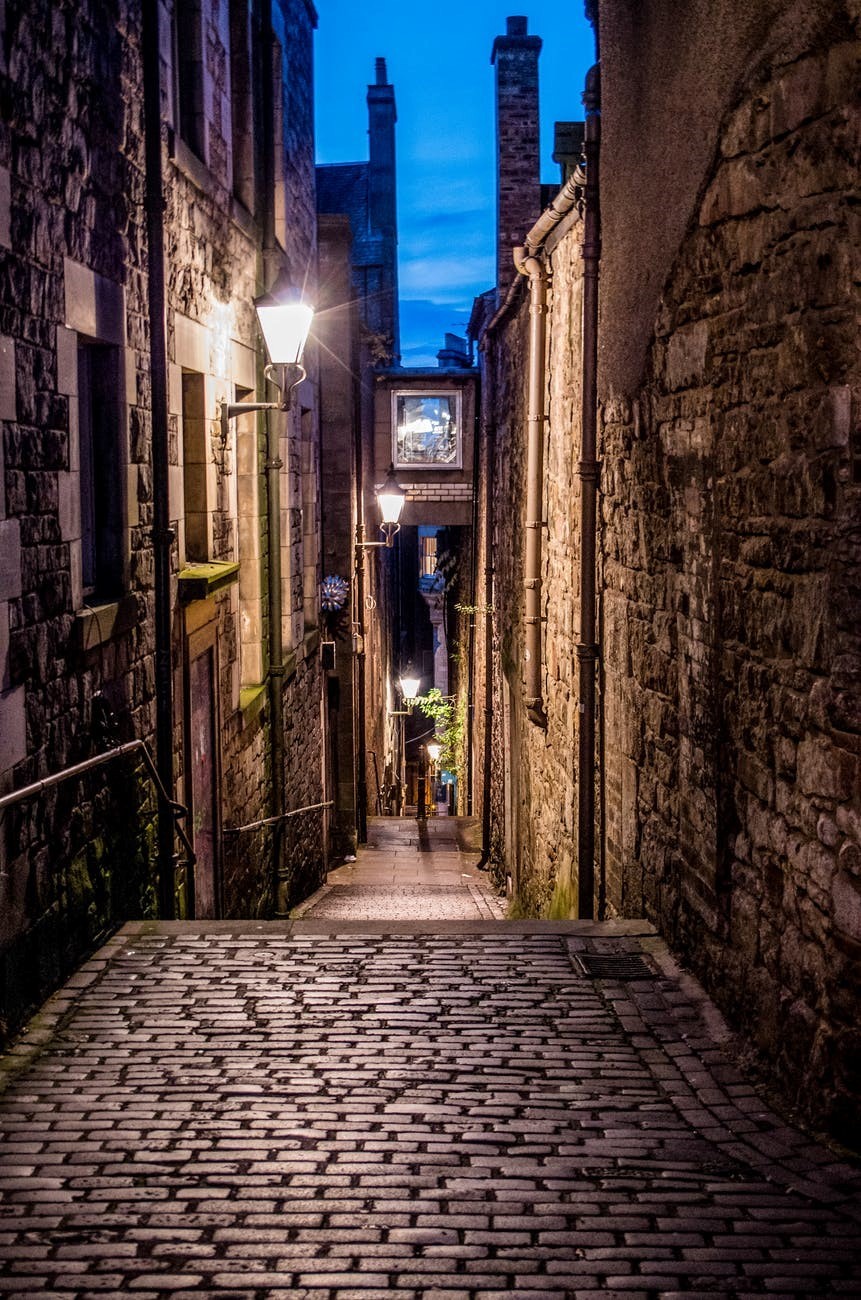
518, 172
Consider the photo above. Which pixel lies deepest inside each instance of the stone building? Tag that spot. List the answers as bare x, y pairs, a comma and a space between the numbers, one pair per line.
126, 501
726, 759
359, 333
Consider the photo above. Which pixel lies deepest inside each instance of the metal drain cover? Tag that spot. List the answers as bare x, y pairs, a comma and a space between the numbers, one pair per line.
613, 966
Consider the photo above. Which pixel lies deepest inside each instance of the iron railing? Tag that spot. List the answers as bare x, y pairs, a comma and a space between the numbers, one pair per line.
176, 810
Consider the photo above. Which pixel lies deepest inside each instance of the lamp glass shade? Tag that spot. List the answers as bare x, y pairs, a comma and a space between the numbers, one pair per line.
410, 686
391, 497
285, 327
434, 750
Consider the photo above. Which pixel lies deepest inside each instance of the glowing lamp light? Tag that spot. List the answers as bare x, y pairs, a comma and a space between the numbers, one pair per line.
391, 497
434, 750
410, 686
285, 319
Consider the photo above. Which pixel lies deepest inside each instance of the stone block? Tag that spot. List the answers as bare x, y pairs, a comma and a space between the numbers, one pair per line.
846, 896
8, 398
191, 345
10, 559
824, 770
13, 728
95, 306
69, 497
67, 361
4, 646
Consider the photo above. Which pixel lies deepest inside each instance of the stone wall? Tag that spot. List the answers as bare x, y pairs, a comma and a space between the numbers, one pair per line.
732, 606
76, 667
533, 820
77, 862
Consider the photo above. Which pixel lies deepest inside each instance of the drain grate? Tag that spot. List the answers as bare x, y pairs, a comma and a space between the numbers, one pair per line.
613, 966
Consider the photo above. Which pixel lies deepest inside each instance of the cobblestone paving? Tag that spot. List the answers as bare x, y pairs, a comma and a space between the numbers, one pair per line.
276, 1111
409, 871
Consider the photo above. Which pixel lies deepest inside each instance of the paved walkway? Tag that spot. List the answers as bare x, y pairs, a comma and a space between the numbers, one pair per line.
332, 1109
410, 870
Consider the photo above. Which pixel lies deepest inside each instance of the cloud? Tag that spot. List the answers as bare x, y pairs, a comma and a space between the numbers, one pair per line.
446, 279
424, 324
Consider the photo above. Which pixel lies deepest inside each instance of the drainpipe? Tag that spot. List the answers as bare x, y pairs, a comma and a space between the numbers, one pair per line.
536, 414
162, 533
489, 442
473, 600
360, 764
531, 262
589, 470
273, 466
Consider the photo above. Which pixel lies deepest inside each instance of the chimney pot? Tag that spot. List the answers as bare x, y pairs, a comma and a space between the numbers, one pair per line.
382, 78
516, 26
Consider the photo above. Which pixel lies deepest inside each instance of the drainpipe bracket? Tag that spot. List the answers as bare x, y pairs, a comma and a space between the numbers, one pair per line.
587, 652
590, 470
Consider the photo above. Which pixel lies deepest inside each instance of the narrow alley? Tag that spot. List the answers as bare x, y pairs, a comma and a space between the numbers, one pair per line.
425, 1104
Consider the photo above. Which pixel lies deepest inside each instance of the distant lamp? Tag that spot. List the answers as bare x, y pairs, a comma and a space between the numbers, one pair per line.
285, 319
390, 498
434, 749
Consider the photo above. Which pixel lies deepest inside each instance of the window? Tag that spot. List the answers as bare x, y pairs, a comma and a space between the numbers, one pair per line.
426, 429
195, 467
188, 63
427, 555
242, 107
101, 469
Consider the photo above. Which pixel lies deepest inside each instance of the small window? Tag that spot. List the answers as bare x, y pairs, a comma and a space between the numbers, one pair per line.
101, 466
188, 62
195, 467
426, 429
242, 104
427, 555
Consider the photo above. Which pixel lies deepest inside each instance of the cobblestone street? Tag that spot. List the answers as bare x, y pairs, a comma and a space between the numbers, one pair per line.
339, 1107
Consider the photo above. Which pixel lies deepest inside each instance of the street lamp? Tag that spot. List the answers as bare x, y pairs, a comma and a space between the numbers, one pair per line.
410, 685
284, 319
390, 498
434, 749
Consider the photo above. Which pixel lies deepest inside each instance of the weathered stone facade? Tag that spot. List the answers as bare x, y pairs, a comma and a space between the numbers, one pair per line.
76, 640
728, 530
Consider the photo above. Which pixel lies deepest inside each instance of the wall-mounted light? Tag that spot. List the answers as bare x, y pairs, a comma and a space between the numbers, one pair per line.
390, 498
434, 749
410, 686
284, 319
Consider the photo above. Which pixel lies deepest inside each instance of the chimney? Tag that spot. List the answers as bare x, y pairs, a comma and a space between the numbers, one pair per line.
382, 197
518, 169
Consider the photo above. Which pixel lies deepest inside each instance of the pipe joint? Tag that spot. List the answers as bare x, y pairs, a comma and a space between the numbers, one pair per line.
587, 652
532, 584
273, 464
590, 470
533, 620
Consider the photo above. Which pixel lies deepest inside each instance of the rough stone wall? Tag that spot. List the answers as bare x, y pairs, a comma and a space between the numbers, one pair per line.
70, 221
536, 765
73, 264
732, 612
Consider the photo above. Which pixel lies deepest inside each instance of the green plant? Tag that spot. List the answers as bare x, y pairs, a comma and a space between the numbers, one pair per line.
448, 721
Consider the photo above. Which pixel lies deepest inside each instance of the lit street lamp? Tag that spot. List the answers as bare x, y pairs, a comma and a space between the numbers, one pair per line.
284, 319
390, 498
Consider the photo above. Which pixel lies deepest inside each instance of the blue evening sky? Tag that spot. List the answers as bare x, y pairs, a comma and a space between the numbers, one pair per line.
438, 59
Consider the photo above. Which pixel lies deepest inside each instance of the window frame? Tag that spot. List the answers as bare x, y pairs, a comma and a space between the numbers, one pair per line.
432, 390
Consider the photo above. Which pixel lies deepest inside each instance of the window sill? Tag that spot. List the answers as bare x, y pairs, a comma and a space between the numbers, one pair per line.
200, 581
251, 702
96, 625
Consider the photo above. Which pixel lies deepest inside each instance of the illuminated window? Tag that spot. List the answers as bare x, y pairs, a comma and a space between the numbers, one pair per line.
427, 555
427, 429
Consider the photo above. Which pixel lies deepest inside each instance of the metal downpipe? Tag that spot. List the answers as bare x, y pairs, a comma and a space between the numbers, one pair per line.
162, 533
536, 415
588, 470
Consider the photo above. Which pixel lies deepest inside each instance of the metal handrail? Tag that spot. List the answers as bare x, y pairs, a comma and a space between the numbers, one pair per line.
177, 810
272, 821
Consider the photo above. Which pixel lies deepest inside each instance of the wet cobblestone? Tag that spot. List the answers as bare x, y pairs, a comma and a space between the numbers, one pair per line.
344, 1109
